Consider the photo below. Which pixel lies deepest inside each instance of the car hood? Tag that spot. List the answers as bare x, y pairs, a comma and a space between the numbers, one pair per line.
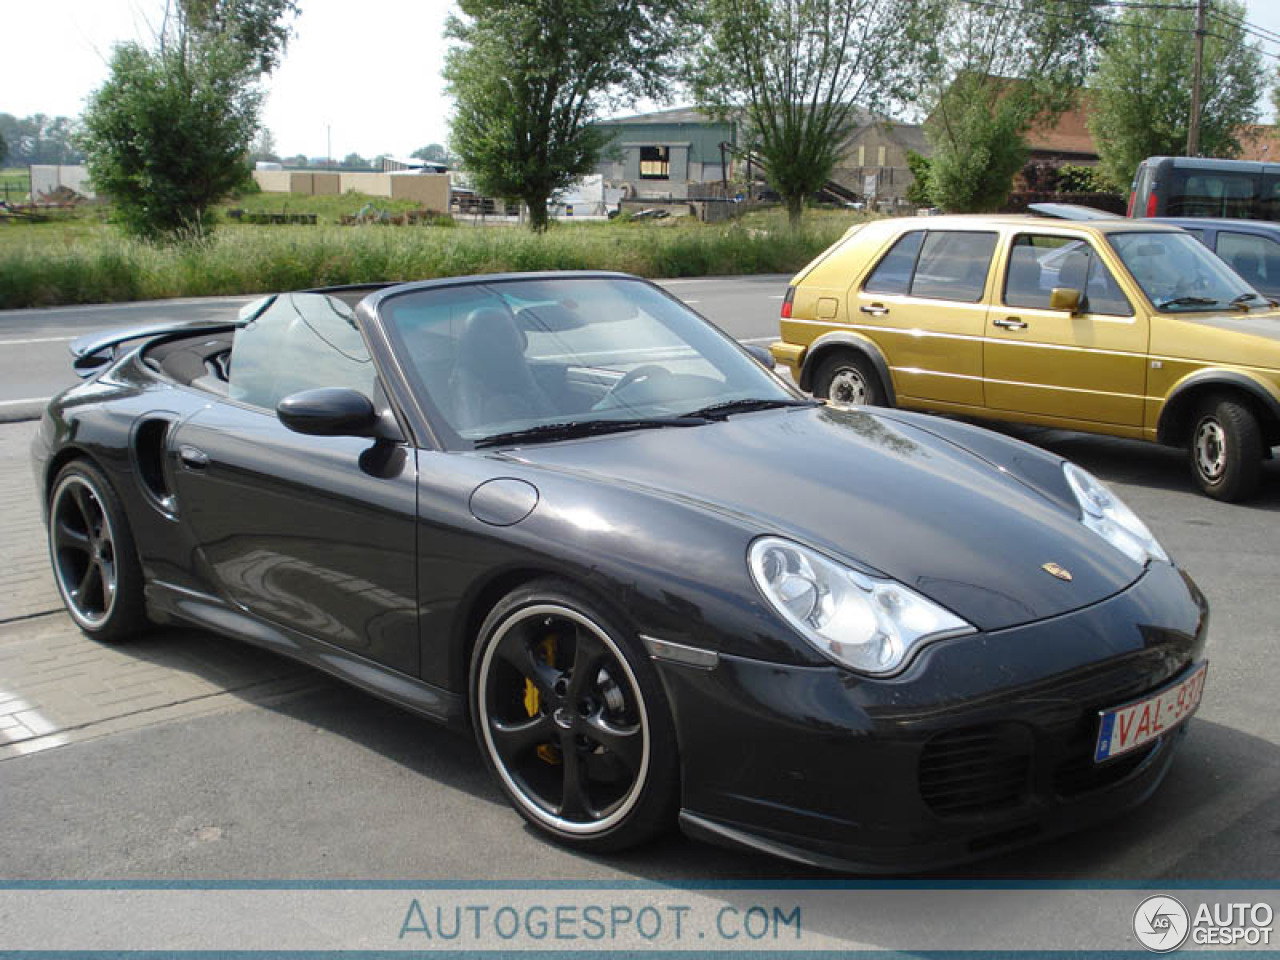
881, 493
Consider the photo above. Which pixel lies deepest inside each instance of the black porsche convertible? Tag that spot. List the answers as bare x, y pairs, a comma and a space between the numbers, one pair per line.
659, 584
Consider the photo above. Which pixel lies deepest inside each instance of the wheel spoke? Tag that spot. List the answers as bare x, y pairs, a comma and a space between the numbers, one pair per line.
574, 803
66, 537
589, 655
626, 743
514, 738
517, 652
81, 497
92, 578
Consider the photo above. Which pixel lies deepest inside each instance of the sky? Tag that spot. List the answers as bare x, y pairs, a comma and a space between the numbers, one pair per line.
358, 77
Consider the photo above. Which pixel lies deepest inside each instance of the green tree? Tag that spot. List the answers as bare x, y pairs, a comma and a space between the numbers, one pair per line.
257, 30
1005, 70
918, 192
1141, 104
528, 77
797, 72
433, 153
168, 135
4, 148
264, 146
354, 159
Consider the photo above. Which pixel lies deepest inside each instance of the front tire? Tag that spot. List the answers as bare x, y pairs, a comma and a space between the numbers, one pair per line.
573, 721
1226, 449
95, 563
849, 378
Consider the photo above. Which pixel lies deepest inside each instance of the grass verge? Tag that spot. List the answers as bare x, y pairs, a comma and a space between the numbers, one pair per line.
94, 263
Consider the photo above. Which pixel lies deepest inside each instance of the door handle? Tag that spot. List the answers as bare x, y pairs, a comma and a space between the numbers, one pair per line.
1011, 323
193, 457
875, 309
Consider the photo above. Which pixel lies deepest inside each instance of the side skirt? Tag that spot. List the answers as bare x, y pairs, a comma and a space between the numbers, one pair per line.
169, 603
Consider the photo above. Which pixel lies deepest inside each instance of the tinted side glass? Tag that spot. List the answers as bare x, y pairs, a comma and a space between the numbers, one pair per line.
1204, 193
1255, 258
953, 265
303, 341
1269, 205
893, 273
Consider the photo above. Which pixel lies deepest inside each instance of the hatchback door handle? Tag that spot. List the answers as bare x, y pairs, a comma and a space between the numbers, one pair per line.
875, 309
1011, 323
193, 457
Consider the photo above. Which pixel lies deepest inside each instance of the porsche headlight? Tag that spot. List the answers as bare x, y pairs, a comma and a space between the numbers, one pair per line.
862, 622
1106, 515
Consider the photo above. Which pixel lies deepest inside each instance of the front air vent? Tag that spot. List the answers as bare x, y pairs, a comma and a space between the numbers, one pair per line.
976, 770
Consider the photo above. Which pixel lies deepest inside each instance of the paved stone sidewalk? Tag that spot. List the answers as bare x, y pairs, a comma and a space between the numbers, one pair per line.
26, 583
58, 686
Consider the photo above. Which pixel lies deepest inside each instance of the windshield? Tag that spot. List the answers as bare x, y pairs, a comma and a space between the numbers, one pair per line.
1179, 274
587, 353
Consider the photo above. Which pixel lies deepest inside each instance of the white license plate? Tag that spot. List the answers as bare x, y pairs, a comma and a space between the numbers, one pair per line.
1126, 728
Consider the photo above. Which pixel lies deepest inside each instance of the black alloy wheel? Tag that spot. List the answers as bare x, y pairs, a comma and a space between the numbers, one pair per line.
573, 725
95, 566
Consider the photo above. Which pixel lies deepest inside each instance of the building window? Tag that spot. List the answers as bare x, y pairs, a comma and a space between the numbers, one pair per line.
880, 156
655, 163
862, 155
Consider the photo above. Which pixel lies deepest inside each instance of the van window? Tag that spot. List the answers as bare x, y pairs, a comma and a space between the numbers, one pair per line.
1210, 193
893, 273
1269, 202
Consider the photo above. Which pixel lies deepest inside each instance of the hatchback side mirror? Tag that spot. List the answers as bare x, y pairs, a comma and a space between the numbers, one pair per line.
331, 412
1065, 298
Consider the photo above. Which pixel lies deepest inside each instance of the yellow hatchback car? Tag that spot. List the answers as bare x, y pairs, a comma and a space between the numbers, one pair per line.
1111, 326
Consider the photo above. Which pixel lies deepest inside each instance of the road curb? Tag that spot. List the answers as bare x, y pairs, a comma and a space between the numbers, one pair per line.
23, 412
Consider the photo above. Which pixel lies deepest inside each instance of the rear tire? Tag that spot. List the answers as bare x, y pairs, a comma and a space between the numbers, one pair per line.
95, 562
1226, 449
849, 378
573, 721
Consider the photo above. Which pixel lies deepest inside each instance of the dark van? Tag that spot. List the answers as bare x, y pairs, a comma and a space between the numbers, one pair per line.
1196, 187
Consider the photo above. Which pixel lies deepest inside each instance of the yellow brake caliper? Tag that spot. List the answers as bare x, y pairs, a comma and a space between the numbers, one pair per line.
547, 752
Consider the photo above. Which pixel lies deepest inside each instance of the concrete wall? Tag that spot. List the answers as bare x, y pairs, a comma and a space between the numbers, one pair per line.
428, 190
374, 184
273, 181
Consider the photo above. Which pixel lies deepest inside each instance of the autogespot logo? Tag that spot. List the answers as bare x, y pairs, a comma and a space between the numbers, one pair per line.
1161, 923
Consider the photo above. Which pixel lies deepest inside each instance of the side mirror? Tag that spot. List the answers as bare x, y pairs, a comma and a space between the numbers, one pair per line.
1065, 298
760, 353
330, 412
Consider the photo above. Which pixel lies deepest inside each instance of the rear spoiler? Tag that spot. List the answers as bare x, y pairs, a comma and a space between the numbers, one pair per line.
95, 350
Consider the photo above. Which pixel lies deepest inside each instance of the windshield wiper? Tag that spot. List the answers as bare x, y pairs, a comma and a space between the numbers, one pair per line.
585, 428
1186, 302
1243, 300
719, 411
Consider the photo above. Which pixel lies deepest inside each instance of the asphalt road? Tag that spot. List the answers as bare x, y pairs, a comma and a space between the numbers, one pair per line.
36, 365
328, 783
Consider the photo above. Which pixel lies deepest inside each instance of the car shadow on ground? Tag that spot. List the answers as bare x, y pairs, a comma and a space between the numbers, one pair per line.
1117, 460
1216, 817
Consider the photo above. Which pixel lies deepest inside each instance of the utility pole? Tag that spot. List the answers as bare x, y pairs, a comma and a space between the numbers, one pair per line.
1193, 128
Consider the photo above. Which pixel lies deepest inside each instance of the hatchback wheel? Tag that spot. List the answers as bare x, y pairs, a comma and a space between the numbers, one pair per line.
572, 721
95, 565
1226, 449
848, 379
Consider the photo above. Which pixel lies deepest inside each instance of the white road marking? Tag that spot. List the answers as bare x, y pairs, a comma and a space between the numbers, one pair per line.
18, 343
14, 403
130, 305
693, 301
758, 340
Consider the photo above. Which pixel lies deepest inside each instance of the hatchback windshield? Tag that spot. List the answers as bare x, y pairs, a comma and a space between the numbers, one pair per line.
1179, 274
527, 359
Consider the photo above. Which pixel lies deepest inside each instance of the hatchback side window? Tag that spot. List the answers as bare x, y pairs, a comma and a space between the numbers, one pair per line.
1039, 263
893, 273
953, 265
302, 341
1255, 258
